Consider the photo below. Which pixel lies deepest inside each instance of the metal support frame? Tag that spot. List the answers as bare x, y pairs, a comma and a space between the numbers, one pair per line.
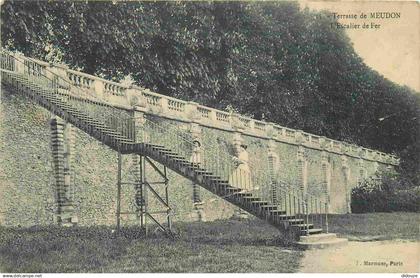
143, 187
119, 192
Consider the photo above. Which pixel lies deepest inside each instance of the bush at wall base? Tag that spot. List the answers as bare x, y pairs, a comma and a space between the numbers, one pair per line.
385, 195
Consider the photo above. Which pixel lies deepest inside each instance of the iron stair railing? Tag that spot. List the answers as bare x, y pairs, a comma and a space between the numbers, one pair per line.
292, 200
217, 172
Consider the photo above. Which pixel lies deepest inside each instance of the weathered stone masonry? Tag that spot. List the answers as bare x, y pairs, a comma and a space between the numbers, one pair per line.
313, 163
61, 148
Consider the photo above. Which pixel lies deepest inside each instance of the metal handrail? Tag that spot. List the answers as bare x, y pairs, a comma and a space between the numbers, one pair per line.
294, 201
182, 134
221, 164
82, 97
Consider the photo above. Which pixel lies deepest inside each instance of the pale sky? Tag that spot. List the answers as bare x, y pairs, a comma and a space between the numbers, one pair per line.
393, 49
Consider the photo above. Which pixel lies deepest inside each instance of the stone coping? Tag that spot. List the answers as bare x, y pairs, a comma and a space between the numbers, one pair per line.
132, 97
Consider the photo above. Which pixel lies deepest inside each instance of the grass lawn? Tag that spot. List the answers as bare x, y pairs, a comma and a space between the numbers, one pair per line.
221, 246
395, 225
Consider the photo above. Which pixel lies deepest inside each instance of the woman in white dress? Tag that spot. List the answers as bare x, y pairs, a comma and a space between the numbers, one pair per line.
196, 159
241, 176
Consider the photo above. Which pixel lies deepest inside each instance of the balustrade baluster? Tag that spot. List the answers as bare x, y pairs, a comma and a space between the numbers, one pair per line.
307, 217
299, 209
326, 217
291, 200
320, 214
312, 209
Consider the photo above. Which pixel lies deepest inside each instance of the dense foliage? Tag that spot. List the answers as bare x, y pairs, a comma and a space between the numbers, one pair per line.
386, 194
270, 60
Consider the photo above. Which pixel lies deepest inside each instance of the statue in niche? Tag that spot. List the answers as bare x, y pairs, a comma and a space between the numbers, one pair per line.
198, 203
241, 176
196, 153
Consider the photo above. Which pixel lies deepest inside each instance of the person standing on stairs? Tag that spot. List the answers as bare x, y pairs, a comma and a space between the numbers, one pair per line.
198, 204
241, 176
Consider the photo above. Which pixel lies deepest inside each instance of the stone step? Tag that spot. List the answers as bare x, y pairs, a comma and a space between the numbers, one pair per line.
321, 241
278, 212
175, 156
109, 132
314, 239
251, 198
221, 183
259, 203
201, 171
179, 160
294, 221
232, 189
303, 227
283, 217
243, 194
318, 237
165, 152
148, 145
269, 207
312, 231
191, 167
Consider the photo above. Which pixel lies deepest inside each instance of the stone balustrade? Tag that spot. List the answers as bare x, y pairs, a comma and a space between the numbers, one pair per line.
81, 80
152, 103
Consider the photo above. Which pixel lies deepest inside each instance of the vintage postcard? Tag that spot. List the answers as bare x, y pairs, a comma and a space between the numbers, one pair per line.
209, 137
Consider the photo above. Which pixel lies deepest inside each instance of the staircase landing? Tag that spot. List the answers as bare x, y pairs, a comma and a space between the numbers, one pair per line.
119, 133
320, 241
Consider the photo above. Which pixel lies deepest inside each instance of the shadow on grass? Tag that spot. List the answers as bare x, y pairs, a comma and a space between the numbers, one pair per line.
220, 246
247, 232
376, 226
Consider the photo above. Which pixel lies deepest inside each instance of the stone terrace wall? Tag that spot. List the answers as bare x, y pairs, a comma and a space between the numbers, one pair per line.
316, 164
27, 186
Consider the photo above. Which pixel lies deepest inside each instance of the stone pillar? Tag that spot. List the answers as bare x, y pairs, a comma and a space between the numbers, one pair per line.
3, 205
139, 117
302, 169
237, 142
346, 178
138, 186
273, 164
326, 176
362, 171
19, 63
196, 157
141, 136
62, 145
58, 74
375, 169
99, 88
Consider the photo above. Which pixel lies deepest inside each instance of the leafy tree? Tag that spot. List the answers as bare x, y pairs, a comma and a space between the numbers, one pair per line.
270, 60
